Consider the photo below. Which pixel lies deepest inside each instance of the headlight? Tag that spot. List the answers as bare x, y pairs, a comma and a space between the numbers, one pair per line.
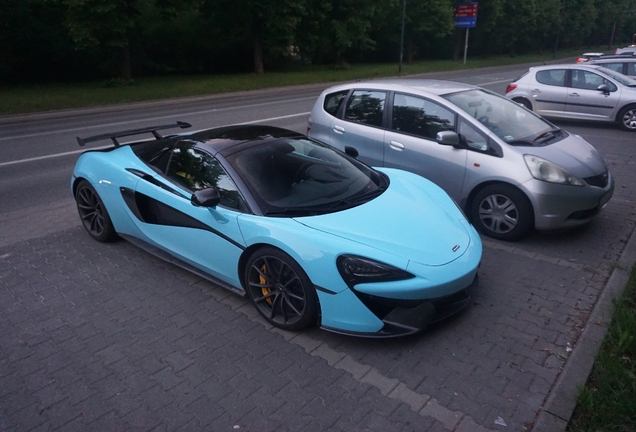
542, 169
355, 270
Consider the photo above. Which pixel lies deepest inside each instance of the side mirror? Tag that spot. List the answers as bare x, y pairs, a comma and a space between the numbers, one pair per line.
206, 197
449, 138
351, 151
604, 88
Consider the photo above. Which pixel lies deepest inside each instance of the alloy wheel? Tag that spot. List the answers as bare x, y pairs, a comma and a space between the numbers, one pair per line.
277, 291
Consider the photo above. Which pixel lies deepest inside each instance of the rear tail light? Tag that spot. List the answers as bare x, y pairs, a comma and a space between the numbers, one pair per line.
580, 59
511, 87
616, 51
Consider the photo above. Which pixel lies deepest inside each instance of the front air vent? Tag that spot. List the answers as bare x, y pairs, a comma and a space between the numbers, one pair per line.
598, 180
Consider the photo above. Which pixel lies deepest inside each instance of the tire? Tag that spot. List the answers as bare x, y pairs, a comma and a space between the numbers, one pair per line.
93, 213
627, 118
524, 103
280, 289
501, 211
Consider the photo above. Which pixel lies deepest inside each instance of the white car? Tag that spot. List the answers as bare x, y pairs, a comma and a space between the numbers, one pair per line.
577, 91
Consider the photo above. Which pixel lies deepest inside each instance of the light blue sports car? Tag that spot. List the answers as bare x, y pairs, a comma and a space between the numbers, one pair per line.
311, 235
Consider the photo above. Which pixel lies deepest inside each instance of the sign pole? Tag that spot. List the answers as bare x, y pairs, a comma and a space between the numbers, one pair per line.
466, 45
466, 17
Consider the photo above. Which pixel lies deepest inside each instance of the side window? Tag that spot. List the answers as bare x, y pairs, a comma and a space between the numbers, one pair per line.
196, 170
631, 69
553, 77
333, 101
616, 67
472, 137
421, 117
366, 106
589, 81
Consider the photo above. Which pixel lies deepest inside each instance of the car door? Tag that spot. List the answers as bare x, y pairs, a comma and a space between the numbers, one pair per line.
361, 126
549, 92
585, 100
410, 142
208, 238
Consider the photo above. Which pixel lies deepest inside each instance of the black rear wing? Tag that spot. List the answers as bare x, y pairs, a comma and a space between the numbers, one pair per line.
113, 136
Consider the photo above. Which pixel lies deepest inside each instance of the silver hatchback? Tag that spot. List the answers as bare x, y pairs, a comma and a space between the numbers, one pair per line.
508, 168
577, 91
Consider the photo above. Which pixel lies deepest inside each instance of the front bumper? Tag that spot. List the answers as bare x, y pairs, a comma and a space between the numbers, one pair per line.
560, 206
404, 317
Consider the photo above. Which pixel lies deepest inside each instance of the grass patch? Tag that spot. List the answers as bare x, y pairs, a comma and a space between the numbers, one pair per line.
46, 97
608, 401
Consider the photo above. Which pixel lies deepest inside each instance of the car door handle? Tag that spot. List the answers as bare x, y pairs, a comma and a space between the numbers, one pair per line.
397, 145
574, 94
339, 129
536, 91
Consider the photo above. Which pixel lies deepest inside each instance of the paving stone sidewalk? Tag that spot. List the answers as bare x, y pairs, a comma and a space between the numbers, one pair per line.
105, 337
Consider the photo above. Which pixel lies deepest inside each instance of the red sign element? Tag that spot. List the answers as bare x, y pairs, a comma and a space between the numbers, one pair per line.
466, 10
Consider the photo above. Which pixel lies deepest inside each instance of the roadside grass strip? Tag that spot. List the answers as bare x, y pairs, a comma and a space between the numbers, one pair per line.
608, 401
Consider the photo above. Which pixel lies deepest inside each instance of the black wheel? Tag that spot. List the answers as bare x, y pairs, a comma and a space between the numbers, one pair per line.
93, 213
502, 212
281, 290
523, 103
627, 118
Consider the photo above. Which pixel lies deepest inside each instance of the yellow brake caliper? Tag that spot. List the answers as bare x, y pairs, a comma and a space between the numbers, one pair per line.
262, 281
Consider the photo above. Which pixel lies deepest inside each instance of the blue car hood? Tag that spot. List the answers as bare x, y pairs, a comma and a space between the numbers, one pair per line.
407, 220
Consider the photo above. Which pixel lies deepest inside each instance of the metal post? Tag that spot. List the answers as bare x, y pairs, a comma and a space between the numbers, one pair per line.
466, 45
402, 36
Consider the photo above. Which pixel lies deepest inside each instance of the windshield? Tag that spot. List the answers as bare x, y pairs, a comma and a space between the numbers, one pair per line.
297, 176
625, 80
506, 119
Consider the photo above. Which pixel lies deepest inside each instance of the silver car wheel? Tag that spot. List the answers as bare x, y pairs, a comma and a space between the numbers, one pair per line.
498, 213
629, 118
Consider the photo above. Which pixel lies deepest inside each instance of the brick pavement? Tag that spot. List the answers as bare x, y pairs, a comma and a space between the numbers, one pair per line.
106, 337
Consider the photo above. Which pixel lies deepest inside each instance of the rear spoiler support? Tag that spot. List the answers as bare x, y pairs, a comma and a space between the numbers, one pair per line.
113, 136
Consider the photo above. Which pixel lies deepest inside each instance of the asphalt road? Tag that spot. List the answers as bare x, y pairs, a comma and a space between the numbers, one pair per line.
106, 337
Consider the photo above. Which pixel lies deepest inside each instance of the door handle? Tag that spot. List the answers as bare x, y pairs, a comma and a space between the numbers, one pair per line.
574, 94
536, 91
339, 129
397, 145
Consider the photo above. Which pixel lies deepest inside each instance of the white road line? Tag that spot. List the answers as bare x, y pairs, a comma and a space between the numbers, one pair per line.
495, 82
38, 158
154, 118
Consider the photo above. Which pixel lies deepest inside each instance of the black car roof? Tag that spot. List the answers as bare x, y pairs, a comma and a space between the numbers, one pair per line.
222, 138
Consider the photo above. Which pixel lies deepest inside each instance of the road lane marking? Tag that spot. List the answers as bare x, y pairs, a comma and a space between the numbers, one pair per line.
155, 118
38, 158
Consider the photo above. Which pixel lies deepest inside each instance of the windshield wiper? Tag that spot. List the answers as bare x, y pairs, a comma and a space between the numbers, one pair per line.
549, 134
307, 211
520, 142
358, 199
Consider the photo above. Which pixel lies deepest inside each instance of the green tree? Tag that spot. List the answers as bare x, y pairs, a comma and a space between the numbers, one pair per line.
332, 29
92, 23
267, 27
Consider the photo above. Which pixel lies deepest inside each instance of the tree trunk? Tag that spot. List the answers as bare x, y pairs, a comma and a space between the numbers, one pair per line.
258, 55
126, 66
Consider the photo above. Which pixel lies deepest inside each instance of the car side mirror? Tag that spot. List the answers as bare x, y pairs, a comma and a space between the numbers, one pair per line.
206, 197
604, 88
449, 138
351, 151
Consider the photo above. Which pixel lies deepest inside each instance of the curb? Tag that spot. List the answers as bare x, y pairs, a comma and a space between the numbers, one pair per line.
555, 415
